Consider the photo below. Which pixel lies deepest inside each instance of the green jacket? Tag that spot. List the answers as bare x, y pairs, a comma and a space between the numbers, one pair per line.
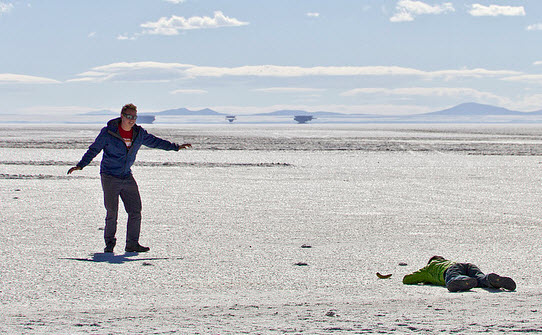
433, 273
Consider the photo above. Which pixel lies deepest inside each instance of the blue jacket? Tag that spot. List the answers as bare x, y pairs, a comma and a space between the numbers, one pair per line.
117, 159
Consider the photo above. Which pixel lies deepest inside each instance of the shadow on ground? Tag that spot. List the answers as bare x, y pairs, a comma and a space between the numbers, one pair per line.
111, 258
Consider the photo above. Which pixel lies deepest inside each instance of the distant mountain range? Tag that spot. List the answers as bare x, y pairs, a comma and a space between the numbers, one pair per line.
466, 112
465, 109
471, 109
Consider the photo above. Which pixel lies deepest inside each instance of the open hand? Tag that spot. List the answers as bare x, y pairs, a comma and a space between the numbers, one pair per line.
184, 146
74, 168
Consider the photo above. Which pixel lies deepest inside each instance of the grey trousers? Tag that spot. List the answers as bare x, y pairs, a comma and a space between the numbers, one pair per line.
129, 193
464, 271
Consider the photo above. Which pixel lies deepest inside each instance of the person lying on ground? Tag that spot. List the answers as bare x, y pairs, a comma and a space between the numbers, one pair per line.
457, 276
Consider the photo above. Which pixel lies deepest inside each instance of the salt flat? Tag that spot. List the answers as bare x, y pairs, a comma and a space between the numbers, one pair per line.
226, 221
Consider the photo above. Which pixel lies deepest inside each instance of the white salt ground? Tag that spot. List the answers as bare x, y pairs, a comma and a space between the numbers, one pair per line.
226, 223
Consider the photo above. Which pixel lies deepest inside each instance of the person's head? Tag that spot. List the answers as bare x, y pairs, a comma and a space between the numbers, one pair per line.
438, 258
128, 116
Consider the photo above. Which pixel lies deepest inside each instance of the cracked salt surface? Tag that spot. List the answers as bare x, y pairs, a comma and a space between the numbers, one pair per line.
225, 240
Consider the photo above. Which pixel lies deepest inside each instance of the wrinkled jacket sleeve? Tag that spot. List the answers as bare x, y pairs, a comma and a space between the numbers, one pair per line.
94, 149
417, 277
152, 141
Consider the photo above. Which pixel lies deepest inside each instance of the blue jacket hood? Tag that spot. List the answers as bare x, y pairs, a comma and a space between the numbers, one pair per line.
114, 124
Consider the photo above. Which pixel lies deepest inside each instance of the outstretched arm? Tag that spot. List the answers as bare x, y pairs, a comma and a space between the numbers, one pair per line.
93, 150
417, 277
152, 141
74, 169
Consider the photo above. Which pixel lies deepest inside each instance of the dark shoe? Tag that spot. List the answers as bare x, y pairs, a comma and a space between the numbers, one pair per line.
109, 248
462, 284
136, 248
497, 281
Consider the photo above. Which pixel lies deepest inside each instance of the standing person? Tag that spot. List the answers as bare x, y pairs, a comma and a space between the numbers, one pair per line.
120, 140
457, 276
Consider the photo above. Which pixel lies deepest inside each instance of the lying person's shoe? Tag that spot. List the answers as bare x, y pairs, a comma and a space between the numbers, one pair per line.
497, 281
136, 248
462, 284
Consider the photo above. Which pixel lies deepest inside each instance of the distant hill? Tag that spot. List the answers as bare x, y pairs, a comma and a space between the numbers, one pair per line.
474, 109
333, 114
285, 112
188, 112
282, 112
469, 112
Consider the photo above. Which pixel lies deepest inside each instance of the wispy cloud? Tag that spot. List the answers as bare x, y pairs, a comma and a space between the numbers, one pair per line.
532, 27
471, 73
188, 91
10, 78
175, 1
407, 10
288, 90
496, 10
127, 38
136, 71
425, 91
156, 71
532, 102
313, 14
174, 24
5, 7
296, 71
526, 78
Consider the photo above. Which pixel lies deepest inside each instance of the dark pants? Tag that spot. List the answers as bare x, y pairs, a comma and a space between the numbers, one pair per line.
466, 270
129, 193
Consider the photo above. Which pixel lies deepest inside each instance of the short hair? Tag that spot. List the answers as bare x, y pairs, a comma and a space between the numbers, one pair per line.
439, 258
127, 107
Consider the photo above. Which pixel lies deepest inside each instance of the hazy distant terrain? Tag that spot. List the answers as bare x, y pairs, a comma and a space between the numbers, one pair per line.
464, 113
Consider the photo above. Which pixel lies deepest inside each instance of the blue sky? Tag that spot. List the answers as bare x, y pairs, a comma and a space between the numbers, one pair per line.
249, 56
